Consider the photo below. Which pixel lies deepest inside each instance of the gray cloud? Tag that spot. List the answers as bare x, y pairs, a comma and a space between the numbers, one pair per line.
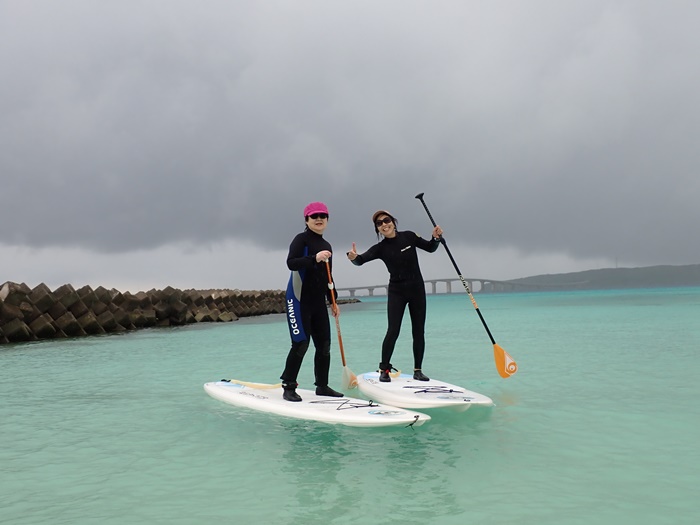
541, 126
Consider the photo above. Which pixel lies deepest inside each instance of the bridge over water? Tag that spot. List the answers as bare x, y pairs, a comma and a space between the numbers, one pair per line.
446, 284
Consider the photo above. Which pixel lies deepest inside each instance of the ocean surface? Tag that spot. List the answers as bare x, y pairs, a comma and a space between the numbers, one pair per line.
601, 424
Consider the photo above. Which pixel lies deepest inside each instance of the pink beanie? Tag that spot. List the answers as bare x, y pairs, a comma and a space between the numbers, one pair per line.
315, 207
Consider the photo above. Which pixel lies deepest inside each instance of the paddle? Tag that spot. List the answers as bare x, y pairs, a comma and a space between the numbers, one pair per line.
505, 364
349, 379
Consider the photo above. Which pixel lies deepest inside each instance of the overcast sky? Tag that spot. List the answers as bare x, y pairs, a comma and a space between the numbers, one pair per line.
153, 143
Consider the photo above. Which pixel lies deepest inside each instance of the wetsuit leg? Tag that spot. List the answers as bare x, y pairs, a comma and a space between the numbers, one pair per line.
298, 349
395, 307
321, 337
417, 311
294, 360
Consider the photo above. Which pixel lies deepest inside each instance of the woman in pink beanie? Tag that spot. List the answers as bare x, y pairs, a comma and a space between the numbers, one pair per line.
307, 314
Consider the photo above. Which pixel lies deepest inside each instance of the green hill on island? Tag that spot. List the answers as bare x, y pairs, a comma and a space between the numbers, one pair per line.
609, 278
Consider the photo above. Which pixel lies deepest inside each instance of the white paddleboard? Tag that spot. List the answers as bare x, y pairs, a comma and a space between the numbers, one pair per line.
335, 410
404, 391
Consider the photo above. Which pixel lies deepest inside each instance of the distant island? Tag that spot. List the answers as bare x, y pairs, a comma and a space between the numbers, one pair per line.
664, 276
610, 278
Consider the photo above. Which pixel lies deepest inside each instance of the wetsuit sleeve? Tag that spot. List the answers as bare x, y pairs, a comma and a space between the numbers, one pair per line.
429, 246
296, 259
369, 255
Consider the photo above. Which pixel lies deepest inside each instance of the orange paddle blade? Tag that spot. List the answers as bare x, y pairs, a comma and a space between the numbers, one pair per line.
505, 364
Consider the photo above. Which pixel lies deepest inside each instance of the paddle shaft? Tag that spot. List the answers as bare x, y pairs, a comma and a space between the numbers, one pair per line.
459, 273
331, 286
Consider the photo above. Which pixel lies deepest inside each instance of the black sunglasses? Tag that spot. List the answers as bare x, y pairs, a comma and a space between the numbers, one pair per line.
319, 216
385, 220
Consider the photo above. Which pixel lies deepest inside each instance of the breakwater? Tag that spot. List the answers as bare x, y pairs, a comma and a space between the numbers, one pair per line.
32, 314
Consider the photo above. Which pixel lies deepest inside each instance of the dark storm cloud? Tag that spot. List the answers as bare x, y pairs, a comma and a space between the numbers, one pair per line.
542, 126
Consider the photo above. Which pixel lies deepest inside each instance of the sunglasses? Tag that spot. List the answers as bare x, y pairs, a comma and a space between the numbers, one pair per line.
315, 216
385, 220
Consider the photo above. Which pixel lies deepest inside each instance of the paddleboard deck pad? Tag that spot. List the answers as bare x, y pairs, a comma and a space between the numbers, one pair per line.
404, 391
335, 410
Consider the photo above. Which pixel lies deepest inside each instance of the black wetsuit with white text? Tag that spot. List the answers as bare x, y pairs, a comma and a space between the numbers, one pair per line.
309, 286
406, 287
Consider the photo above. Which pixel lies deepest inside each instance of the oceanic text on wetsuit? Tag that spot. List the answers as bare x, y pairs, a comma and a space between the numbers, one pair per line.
292, 317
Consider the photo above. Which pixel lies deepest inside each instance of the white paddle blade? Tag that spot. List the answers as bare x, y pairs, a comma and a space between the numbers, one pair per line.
349, 379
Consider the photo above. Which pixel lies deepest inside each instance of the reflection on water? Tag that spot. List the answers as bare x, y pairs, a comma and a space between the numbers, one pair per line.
336, 474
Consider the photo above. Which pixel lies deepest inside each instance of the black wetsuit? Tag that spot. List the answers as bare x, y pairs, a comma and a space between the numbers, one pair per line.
406, 287
307, 313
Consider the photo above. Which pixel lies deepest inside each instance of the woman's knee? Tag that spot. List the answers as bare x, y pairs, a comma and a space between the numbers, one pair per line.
300, 348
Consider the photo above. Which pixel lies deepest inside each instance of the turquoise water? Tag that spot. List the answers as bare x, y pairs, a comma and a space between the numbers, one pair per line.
600, 425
